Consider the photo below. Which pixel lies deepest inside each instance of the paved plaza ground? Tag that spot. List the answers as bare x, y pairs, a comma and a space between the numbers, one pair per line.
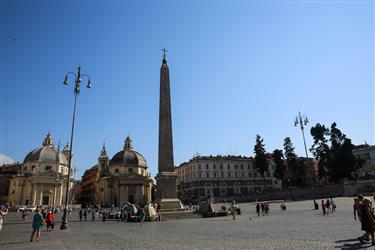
300, 227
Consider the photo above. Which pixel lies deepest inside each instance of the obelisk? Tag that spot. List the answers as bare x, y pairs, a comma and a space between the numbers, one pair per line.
166, 179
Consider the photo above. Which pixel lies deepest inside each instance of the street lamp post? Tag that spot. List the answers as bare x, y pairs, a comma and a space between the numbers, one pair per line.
302, 121
77, 87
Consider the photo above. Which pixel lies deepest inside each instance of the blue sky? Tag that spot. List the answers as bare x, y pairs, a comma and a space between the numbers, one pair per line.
237, 69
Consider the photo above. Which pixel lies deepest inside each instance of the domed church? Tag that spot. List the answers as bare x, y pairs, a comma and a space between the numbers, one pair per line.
122, 179
42, 178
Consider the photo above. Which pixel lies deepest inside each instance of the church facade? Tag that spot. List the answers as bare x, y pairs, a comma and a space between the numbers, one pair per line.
123, 178
42, 178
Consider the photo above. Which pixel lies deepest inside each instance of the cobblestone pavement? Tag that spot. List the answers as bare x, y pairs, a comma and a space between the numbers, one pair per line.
300, 227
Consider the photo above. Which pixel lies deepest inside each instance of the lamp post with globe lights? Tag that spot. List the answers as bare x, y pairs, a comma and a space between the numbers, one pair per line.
302, 121
77, 87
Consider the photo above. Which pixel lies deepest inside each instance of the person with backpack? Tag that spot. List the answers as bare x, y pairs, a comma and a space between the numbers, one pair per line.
50, 221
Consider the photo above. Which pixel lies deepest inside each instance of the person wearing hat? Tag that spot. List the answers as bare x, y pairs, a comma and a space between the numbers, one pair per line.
367, 221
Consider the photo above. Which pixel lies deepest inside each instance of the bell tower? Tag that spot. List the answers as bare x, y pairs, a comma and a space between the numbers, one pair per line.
103, 163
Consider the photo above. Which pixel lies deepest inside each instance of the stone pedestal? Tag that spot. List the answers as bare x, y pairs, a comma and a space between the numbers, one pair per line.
166, 195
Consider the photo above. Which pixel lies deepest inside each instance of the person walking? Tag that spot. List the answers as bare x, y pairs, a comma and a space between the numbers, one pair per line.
92, 214
50, 221
357, 207
323, 207
328, 206
142, 215
80, 215
367, 221
2, 214
85, 215
258, 209
333, 205
233, 209
38, 222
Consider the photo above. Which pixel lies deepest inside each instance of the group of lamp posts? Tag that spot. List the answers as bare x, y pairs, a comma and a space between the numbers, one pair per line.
302, 121
77, 88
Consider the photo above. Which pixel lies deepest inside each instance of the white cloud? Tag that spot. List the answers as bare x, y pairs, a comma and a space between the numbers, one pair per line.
5, 159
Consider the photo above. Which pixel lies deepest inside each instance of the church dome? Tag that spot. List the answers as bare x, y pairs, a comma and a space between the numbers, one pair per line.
128, 156
46, 153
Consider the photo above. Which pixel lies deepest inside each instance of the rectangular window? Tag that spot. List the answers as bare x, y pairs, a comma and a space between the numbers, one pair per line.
228, 166
214, 166
116, 170
221, 166
199, 166
241, 166
250, 175
236, 175
229, 175
130, 170
207, 175
206, 166
214, 175
222, 175
248, 166
235, 167
48, 167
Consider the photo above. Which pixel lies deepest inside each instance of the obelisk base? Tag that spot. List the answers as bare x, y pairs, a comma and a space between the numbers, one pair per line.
166, 195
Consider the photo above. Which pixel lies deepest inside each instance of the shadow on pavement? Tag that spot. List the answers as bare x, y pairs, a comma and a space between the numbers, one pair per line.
351, 246
14, 243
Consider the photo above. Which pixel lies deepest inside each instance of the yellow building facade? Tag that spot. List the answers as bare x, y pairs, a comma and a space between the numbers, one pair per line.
42, 179
122, 179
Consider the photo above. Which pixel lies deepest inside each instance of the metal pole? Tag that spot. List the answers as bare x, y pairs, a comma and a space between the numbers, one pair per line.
300, 120
64, 224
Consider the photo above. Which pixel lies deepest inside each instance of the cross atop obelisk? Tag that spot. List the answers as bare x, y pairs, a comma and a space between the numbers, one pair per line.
164, 54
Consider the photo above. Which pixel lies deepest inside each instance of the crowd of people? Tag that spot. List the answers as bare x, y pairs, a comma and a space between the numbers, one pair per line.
263, 207
127, 212
328, 206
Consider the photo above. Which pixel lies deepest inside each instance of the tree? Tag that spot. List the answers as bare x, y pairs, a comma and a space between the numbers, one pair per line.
260, 160
290, 157
336, 160
320, 150
278, 158
360, 169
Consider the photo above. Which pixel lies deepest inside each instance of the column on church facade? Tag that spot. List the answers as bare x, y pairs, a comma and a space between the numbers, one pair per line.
61, 194
142, 192
137, 194
109, 199
126, 193
54, 195
22, 193
41, 194
35, 187
120, 194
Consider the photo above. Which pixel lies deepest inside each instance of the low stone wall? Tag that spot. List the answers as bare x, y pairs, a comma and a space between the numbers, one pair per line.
348, 188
